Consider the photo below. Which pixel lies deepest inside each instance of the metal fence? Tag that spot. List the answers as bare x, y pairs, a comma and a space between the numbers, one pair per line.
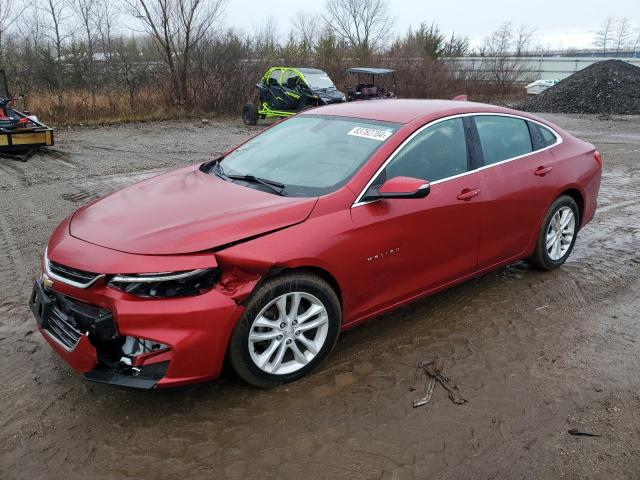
536, 68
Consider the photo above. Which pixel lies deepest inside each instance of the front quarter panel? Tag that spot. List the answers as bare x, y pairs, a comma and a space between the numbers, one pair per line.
317, 243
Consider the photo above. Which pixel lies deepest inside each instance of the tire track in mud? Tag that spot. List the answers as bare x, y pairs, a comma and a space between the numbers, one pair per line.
11, 174
12, 270
491, 309
516, 365
15, 334
90, 190
607, 252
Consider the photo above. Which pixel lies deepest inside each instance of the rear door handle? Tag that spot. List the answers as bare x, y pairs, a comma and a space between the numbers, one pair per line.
468, 194
542, 171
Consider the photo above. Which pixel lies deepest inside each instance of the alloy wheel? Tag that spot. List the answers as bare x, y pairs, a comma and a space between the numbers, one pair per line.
560, 233
288, 333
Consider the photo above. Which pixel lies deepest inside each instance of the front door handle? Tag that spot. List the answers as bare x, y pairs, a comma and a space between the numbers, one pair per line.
468, 194
542, 171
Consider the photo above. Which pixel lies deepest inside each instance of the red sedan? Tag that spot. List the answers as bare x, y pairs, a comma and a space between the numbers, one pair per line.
261, 257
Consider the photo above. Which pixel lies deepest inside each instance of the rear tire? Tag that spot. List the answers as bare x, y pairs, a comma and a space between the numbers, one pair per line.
290, 325
250, 114
557, 235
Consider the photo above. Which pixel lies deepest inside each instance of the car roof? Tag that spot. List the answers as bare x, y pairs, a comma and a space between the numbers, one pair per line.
308, 70
406, 110
371, 71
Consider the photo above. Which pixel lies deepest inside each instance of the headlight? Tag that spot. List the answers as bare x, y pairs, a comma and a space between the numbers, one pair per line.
167, 284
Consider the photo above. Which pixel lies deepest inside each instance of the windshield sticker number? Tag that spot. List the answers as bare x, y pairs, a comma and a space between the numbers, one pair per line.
372, 133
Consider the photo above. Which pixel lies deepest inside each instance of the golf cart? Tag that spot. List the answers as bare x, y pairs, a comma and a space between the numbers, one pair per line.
285, 91
20, 132
366, 87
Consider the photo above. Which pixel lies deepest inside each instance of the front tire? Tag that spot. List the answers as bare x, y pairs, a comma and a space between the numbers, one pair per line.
289, 327
557, 235
250, 114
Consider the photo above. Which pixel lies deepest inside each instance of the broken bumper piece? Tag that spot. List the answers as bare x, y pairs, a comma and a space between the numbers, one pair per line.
104, 375
111, 337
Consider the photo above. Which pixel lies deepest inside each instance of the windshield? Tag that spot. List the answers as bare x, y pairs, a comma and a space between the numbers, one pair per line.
318, 80
309, 155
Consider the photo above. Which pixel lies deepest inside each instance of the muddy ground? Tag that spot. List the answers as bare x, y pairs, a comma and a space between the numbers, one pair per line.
535, 354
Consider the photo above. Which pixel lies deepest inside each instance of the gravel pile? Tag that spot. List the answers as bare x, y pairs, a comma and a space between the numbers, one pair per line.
608, 87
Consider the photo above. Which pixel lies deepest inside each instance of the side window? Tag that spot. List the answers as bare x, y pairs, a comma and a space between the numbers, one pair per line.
541, 136
548, 136
438, 152
502, 138
287, 75
275, 75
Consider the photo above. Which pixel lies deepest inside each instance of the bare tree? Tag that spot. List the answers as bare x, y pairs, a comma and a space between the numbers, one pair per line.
56, 17
635, 43
364, 24
426, 41
177, 27
9, 14
456, 46
265, 38
105, 18
56, 29
602, 38
622, 33
30, 28
523, 40
88, 14
306, 28
499, 50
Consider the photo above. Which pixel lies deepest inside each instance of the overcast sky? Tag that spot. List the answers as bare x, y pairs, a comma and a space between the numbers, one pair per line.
558, 24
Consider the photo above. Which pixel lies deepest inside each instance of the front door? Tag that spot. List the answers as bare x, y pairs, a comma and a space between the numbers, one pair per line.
410, 246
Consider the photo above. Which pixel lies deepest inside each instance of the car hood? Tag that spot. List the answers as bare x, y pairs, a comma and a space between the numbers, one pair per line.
184, 211
329, 96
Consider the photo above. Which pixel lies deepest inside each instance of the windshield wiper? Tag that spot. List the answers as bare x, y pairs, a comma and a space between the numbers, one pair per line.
272, 185
276, 187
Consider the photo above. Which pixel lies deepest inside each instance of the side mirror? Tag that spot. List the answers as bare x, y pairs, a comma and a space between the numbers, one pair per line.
399, 187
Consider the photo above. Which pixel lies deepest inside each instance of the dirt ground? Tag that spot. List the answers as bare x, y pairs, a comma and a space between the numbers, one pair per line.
535, 354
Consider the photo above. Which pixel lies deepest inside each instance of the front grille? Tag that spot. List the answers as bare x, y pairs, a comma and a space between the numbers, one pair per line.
70, 319
72, 274
63, 328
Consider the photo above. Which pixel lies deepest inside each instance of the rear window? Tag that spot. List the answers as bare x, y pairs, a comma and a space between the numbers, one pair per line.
502, 138
548, 137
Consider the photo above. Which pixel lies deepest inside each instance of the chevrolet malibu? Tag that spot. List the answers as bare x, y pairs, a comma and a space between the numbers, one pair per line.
260, 258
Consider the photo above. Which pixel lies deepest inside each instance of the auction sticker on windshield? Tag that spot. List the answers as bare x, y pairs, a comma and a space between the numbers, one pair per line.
372, 133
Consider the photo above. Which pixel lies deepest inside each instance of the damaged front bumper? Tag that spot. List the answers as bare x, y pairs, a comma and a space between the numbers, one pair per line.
116, 338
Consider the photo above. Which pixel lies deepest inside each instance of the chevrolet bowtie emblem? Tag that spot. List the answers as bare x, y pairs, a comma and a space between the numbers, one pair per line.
47, 283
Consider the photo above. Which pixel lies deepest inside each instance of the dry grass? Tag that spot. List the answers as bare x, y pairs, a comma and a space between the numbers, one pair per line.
82, 107
108, 106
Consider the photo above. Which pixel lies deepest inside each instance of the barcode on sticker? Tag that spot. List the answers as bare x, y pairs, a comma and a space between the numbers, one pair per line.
372, 133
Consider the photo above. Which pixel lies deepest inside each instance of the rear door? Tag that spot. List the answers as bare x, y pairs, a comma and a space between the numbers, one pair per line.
409, 246
518, 183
